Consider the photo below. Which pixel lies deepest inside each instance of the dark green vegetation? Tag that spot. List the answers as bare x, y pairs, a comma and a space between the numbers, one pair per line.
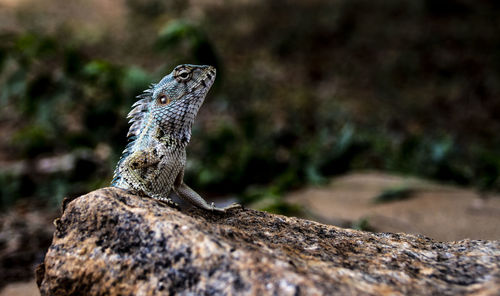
304, 91
394, 194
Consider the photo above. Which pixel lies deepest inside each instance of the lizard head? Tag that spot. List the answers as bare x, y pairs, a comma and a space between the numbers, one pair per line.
173, 103
185, 83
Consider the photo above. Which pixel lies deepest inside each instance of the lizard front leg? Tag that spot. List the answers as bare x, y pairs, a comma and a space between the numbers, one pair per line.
142, 167
137, 163
186, 193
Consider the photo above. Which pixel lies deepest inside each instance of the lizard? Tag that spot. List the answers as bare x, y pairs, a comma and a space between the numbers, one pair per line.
153, 161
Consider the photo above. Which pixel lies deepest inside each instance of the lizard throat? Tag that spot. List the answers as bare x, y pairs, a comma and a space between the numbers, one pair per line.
176, 120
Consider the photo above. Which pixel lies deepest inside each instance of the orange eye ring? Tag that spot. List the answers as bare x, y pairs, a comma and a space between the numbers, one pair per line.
163, 100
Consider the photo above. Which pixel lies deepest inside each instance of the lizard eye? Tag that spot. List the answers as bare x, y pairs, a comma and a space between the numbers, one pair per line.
183, 75
163, 100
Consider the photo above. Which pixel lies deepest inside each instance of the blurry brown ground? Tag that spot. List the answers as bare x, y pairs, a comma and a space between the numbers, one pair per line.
444, 213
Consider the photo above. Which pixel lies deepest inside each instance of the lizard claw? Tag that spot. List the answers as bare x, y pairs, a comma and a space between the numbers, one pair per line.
169, 202
224, 209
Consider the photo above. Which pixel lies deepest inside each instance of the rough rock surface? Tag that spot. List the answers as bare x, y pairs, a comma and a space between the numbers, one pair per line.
109, 242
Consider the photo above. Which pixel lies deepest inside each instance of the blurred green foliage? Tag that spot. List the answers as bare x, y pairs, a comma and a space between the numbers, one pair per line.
195, 44
60, 101
10, 189
394, 194
309, 90
362, 224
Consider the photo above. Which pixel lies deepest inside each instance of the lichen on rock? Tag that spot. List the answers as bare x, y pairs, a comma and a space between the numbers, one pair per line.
110, 242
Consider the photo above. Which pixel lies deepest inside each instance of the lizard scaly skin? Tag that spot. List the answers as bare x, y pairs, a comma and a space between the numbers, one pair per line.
153, 162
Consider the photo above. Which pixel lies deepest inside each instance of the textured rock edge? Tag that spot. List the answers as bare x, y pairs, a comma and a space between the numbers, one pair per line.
259, 252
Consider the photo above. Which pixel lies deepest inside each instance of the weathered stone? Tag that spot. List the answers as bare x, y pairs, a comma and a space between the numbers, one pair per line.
109, 242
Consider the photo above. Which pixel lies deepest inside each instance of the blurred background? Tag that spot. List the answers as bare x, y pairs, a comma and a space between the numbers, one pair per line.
375, 115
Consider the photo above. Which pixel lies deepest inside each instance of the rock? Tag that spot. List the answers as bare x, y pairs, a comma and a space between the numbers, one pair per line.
109, 242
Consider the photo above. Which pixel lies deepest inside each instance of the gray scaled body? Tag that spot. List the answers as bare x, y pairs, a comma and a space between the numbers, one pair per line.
153, 162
